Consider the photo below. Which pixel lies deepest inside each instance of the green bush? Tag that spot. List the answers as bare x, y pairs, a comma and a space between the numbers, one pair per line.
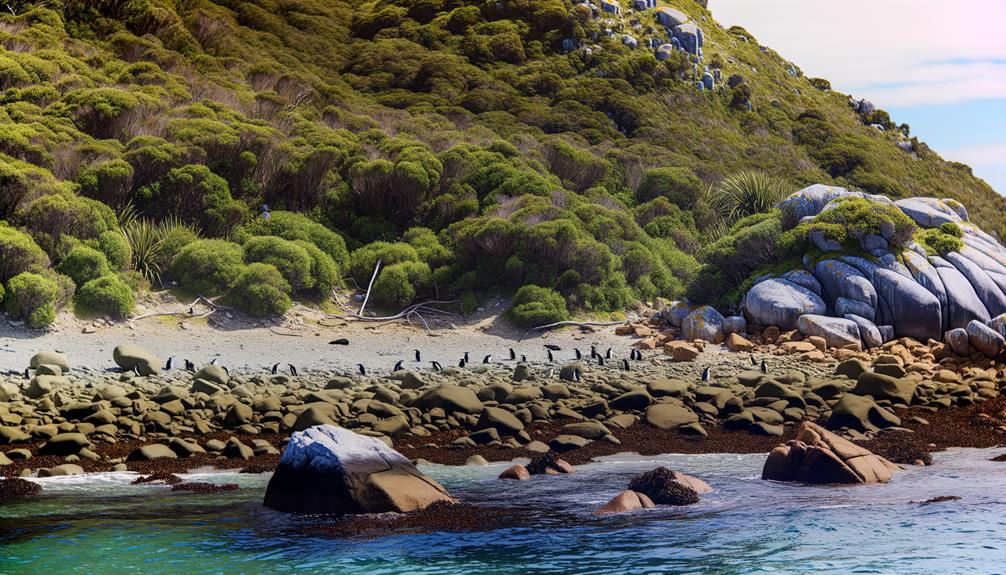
363, 260
208, 267
170, 242
750, 244
324, 271
679, 185
535, 305
2, 293
260, 290
288, 257
32, 297
109, 295
941, 240
20, 253
53, 217
115, 246
747, 193
400, 283
293, 226
83, 264
860, 217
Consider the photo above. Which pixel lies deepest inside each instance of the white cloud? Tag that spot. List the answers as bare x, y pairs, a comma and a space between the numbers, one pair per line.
894, 52
984, 155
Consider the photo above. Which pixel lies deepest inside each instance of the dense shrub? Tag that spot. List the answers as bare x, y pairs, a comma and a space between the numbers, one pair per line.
55, 216
33, 298
679, 185
208, 267
747, 193
293, 226
260, 290
363, 260
107, 295
859, 217
535, 305
20, 253
941, 240
291, 259
109, 182
171, 241
116, 248
83, 264
399, 284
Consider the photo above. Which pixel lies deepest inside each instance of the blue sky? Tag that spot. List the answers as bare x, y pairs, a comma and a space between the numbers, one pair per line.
936, 65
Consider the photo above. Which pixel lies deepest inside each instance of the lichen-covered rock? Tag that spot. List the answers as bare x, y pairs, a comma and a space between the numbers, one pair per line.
670, 415
676, 313
912, 309
881, 386
333, 471
985, 287
841, 279
780, 302
703, 323
734, 324
929, 212
869, 333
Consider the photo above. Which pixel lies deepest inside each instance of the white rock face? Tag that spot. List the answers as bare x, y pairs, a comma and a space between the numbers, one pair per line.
331, 470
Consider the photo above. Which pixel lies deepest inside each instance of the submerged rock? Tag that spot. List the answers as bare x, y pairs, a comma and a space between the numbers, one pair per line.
666, 487
332, 470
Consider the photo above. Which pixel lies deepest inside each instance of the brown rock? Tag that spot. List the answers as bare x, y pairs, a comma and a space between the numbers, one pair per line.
624, 502
516, 472
681, 351
737, 343
819, 456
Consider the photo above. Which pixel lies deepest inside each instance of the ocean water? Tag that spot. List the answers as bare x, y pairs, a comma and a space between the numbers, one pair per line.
102, 525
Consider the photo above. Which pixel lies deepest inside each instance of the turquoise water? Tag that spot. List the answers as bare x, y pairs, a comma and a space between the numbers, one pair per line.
102, 525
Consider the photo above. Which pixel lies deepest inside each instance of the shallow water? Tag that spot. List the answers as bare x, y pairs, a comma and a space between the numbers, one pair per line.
101, 524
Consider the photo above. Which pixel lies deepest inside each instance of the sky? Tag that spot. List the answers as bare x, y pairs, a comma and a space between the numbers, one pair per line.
937, 65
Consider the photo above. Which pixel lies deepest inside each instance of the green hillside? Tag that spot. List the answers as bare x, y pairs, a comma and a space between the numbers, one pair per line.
471, 147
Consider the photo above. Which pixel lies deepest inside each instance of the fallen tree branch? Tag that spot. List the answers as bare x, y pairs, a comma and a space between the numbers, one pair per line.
370, 286
406, 314
187, 312
569, 323
273, 330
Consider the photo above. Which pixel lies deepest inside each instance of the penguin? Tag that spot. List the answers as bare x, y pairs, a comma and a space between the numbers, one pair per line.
513, 355
576, 375
275, 368
340, 341
462, 362
523, 358
213, 361
593, 352
753, 360
549, 352
637, 355
361, 369
578, 354
607, 354
189, 366
625, 365
705, 374
167, 366
436, 366
27, 373
418, 357
600, 359
552, 347
192, 311
488, 358
228, 372
293, 370
764, 366
466, 357
398, 366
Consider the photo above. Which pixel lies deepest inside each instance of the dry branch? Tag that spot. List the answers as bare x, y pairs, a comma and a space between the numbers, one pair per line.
569, 323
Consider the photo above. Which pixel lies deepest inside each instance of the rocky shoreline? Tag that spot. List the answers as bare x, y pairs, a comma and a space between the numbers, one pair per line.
901, 401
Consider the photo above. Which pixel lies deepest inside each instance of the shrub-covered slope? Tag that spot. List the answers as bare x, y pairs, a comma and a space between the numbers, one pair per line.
467, 146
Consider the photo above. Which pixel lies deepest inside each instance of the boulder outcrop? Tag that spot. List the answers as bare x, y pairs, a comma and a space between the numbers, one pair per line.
333, 471
819, 456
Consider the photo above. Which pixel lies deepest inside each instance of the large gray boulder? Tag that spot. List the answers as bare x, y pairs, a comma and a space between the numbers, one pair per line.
329, 470
869, 333
836, 331
450, 398
50, 358
930, 212
985, 339
840, 279
928, 277
134, 358
963, 303
985, 287
845, 306
780, 302
703, 323
912, 309
813, 199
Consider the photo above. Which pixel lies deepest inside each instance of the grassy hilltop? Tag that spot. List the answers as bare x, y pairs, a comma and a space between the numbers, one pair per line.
472, 147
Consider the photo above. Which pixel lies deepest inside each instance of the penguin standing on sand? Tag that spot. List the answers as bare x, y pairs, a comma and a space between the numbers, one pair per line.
167, 366
189, 366
705, 374
753, 360
607, 354
361, 369
488, 358
513, 355
578, 354
437, 366
418, 356
293, 370
27, 373
625, 365
600, 359
398, 366
275, 368
549, 352
523, 358
593, 352
466, 358
764, 366
462, 362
